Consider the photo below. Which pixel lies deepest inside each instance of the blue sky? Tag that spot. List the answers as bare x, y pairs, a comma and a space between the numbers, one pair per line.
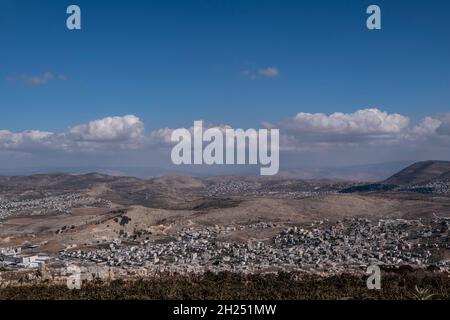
172, 62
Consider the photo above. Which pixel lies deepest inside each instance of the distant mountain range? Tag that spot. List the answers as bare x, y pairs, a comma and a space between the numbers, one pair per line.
171, 191
368, 172
392, 173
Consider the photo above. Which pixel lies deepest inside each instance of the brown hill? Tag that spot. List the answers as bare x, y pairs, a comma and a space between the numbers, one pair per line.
421, 172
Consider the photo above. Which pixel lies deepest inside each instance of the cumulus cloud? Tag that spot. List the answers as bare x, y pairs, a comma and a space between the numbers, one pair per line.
108, 133
24, 140
428, 126
363, 134
162, 136
365, 128
124, 128
321, 130
432, 128
366, 121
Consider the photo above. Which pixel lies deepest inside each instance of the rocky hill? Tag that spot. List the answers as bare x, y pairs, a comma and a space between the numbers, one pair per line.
421, 172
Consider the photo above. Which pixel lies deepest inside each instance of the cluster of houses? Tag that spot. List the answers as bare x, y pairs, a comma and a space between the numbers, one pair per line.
13, 257
54, 204
441, 187
322, 247
282, 190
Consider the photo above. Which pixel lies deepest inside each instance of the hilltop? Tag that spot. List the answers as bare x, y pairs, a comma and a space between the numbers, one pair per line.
421, 172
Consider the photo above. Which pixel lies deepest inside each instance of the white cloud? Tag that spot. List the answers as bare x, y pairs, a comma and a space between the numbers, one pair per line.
123, 128
362, 134
426, 127
308, 132
432, 128
162, 136
111, 133
22, 140
366, 121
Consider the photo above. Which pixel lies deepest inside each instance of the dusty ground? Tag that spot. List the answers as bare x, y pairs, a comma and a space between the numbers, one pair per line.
90, 226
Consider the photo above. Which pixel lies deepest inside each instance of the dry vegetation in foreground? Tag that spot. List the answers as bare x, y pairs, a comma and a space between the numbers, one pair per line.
228, 286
